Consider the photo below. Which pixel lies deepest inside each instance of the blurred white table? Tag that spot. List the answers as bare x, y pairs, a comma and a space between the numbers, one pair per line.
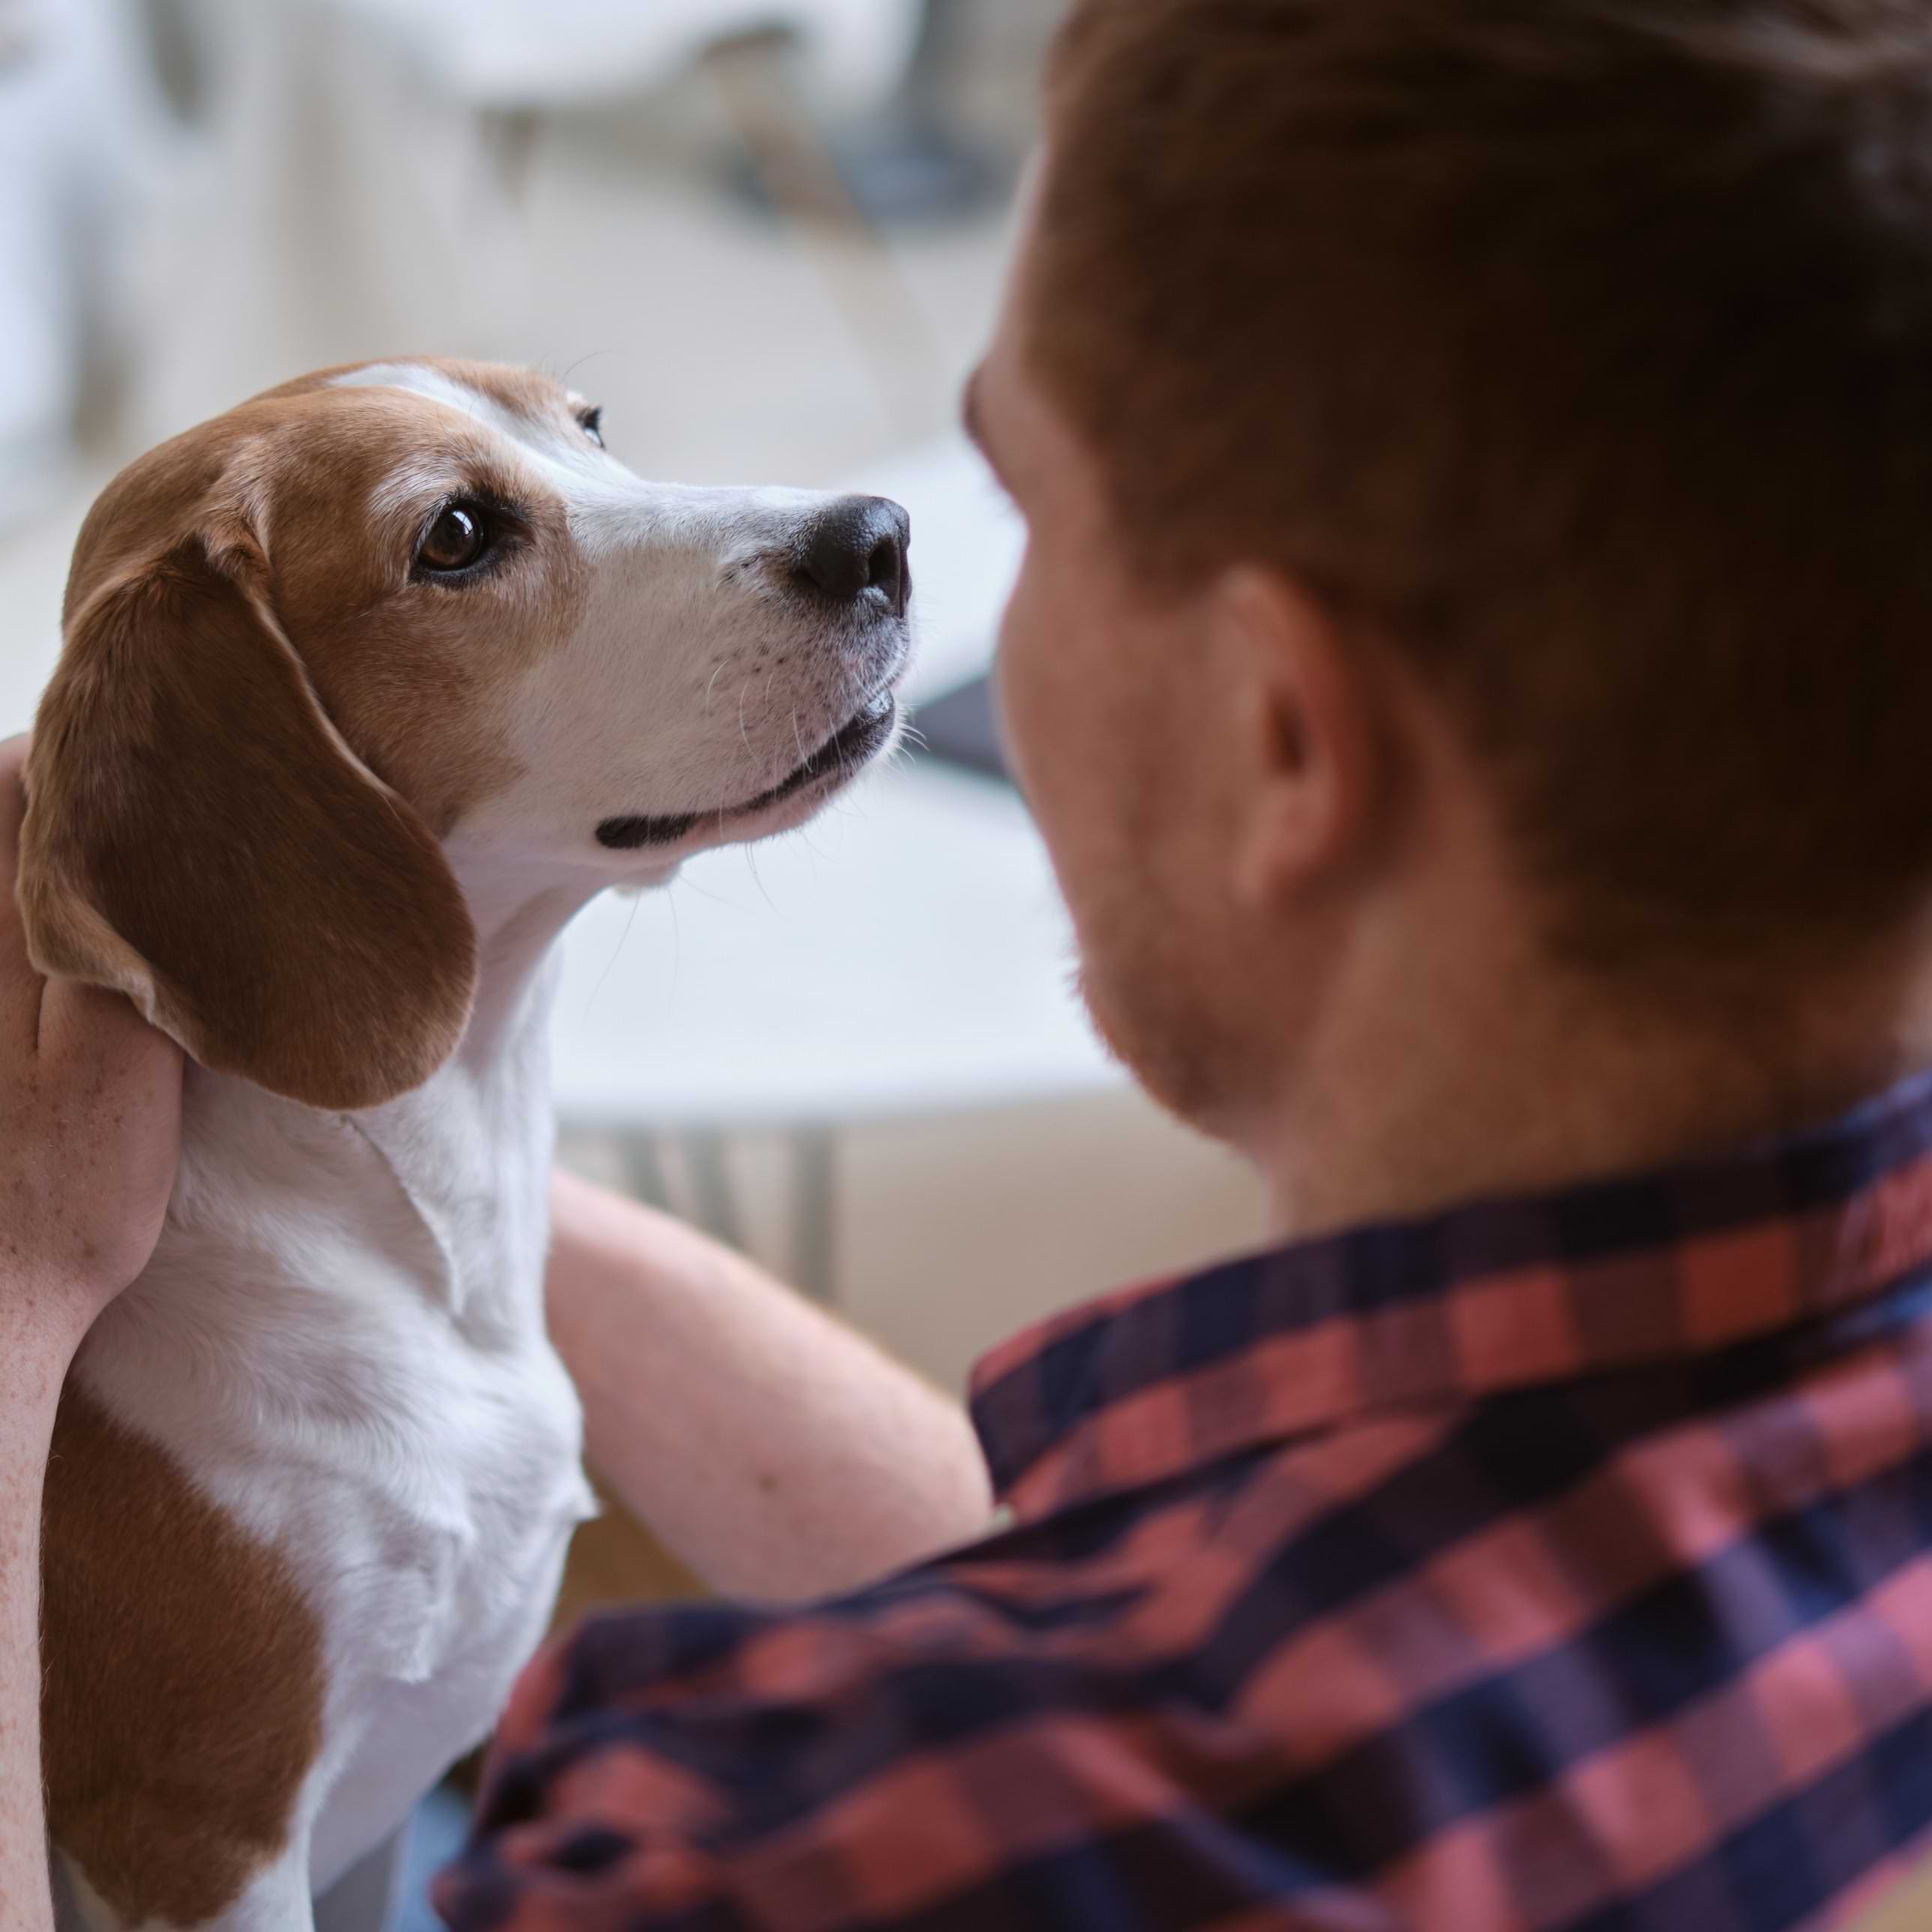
906, 954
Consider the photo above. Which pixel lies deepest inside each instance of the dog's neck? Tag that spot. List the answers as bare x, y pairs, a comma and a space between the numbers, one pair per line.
472, 1149
519, 908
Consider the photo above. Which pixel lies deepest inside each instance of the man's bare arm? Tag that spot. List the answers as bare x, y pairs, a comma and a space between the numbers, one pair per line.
90, 1120
774, 1451
34, 1350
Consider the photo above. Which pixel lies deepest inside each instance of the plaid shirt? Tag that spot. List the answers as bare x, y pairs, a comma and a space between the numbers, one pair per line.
1562, 1562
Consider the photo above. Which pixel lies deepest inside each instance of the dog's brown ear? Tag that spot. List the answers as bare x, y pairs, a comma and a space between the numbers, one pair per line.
199, 836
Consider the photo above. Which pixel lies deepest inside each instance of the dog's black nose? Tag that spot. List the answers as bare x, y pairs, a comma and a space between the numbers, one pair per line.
856, 545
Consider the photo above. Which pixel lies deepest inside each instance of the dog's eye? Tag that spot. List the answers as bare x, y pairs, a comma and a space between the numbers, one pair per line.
591, 421
458, 538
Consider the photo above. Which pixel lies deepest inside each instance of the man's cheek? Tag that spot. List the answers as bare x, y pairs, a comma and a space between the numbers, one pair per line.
1023, 679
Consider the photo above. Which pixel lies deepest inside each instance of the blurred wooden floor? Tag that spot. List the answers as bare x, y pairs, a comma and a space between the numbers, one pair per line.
614, 1561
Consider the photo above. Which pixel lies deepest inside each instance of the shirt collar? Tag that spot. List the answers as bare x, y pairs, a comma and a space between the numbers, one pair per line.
1491, 1296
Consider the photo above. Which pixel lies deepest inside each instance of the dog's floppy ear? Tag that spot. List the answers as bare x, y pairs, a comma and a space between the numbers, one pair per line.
199, 836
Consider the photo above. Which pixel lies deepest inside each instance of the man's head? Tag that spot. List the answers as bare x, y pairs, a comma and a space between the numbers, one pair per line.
1532, 393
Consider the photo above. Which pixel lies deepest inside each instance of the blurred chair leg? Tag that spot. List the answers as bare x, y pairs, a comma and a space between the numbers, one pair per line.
706, 1181
714, 1199
511, 137
815, 1205
801, 179
644, 1171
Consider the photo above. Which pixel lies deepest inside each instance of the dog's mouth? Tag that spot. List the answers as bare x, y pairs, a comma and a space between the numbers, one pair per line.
841, 756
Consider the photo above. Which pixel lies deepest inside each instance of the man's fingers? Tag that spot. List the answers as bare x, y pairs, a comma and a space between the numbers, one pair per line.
106, 1100
13, 793
19, 984
70, 1021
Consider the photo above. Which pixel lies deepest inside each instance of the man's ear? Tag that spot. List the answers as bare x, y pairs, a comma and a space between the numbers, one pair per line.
1312, 744
199, 836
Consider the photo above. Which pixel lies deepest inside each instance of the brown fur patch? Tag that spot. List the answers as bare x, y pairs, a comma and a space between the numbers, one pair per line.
183, 1700
196, 837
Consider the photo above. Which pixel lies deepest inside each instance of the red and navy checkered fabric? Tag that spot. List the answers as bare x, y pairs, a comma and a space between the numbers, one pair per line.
1552, 1563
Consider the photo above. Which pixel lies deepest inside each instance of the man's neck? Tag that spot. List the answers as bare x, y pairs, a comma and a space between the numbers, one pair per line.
1531, 1084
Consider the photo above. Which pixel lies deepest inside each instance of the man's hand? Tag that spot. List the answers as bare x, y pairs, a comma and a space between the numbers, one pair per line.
90, 1118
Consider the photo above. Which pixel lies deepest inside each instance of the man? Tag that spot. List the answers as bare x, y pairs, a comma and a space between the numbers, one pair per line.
1471, 666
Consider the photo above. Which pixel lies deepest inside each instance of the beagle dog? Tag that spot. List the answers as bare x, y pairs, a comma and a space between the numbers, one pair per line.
367, 687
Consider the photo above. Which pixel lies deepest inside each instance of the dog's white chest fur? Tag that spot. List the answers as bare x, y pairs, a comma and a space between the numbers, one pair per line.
341, 1339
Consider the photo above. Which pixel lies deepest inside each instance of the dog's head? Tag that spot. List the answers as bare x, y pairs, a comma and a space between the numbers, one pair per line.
390, 613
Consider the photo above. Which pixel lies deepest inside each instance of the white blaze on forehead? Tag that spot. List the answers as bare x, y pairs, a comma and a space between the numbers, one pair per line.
416, 379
